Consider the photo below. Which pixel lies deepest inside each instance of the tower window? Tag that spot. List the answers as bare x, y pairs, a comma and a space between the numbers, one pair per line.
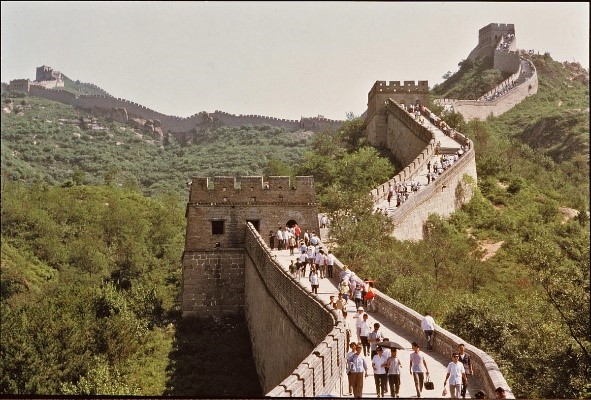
217, 227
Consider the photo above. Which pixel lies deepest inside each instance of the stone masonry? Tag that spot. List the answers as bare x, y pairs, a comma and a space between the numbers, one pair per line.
217, 214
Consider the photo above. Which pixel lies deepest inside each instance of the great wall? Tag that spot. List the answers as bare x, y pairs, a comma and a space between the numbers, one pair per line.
229, 268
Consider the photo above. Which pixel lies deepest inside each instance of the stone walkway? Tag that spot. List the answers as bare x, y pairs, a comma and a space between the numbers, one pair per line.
446, 143
437, 363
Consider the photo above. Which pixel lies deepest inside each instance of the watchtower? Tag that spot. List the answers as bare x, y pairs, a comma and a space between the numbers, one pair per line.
488, 39
217, 213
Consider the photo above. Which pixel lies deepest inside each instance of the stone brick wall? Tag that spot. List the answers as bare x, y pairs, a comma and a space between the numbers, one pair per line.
413, 145
442, 197
269, 205
474, 109
177, 126
217, 215
298, 342
213, 282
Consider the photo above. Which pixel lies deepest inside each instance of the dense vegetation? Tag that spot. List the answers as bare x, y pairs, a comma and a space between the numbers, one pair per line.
90, 266
472, 80
45, 141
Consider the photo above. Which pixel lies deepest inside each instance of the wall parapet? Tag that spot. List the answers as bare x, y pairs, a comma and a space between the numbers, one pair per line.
319, 373
252, 190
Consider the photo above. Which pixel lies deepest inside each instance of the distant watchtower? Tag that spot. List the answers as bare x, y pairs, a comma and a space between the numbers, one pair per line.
217, 213
488, 39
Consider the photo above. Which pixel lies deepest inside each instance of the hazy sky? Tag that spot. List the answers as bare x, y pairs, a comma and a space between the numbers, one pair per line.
279, 59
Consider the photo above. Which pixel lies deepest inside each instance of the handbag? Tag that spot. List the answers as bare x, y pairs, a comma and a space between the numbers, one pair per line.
428, 384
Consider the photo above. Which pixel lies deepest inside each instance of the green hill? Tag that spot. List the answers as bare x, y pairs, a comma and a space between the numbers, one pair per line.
46, 141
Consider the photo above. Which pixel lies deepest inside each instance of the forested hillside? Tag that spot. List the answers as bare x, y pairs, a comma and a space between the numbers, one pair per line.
93, 226
49, 142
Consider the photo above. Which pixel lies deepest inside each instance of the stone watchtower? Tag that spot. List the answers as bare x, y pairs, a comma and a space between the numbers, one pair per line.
488, 38
406, 93
217, 213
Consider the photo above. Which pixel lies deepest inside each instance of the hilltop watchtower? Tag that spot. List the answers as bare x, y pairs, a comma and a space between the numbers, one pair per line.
489, 38
217, 213
406, 93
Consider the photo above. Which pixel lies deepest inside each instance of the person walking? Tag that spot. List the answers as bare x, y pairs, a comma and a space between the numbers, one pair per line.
329, 263
374, 338
344, 289
417, 362
346, 326
364, 330
394, 366
314, 281
456, 374
378, 362
358, 296
464, 358
357, 368
358, 320
352, 346
428, 326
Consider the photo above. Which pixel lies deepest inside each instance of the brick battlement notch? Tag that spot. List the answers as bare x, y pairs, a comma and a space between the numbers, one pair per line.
252, 190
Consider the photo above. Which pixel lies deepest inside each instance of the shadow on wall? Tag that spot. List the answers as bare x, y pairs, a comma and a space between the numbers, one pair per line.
212, 357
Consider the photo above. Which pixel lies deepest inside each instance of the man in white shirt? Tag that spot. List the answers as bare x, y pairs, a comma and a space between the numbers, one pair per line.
428, 326
378, 363
456, 374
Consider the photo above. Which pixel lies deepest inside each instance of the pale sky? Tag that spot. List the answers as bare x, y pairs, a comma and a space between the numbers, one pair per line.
278, 59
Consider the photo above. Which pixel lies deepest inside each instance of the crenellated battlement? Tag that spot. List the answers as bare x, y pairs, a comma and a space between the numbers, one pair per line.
252, 190
394, 87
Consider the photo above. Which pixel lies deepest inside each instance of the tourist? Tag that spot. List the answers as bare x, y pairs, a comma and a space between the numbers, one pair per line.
346, 326
500, 393
358, 366
332, 303
417, 362
464, 358
344, 289
358, 296
303, 258
428, 326
393, 366
456, 375
329, 263
291, 241
349, 355
320, 263
298, 269
374, 338
378, 363
358, 320
364, 330
314, 281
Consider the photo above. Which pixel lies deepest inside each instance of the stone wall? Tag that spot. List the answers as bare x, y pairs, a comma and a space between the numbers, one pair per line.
213, 282
475, 109
298, 342
268, 206
176, 126
448, 193
413, 145
488, 38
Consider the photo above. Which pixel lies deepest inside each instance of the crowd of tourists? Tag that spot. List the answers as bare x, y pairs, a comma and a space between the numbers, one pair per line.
370, 350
